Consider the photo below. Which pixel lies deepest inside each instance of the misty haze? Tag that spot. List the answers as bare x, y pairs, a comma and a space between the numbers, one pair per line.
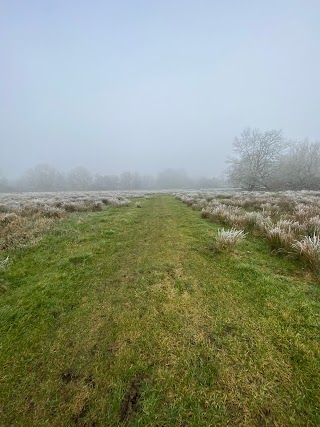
135, 87
159, 213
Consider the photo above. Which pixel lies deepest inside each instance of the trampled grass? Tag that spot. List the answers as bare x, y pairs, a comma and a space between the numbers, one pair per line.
125, 317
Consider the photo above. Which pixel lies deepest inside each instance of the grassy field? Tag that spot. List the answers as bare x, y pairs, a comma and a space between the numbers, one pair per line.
125, 317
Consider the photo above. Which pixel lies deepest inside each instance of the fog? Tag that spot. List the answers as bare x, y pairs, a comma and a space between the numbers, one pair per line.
145, 86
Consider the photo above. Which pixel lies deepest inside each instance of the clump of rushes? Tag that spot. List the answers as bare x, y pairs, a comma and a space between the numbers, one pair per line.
309, 250
313, 225
248, 220
292, 226
279, 239
227, 240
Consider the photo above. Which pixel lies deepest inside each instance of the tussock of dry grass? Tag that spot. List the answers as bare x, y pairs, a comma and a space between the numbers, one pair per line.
23, 231
309, 250
279, 238
227, 240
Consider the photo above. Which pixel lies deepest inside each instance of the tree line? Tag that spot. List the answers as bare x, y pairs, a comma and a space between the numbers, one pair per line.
269, 161
261, 161
44, 177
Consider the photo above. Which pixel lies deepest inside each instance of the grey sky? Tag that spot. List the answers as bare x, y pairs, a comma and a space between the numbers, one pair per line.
143, 85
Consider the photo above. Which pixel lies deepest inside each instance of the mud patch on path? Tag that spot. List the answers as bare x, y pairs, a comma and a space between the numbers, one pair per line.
132, 398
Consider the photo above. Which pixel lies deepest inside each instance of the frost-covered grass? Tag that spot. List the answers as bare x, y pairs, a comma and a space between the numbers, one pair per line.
309, 250
81, 199
227, 240
286, 220
279, 239
123, 317
24, 217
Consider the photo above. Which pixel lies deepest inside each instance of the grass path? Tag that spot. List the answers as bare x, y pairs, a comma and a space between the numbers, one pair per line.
124, 317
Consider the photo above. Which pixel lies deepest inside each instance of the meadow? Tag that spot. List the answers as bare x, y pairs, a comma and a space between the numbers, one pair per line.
135, 309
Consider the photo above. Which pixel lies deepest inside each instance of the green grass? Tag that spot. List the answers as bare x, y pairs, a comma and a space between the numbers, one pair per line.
125, 317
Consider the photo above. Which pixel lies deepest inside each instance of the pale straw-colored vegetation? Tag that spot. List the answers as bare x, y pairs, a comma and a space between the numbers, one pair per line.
227, 240
289, 221
24, 217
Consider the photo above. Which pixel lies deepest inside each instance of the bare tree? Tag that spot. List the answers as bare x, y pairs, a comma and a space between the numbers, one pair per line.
4, 183
105, 182
173, 178
299, 169
42, 177
79, 178
257, 155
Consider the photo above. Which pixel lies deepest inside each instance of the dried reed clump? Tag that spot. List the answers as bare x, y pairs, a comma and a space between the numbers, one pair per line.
82, 206
52, 212
292, 226
227, 240
263, 223
74, 207
4, 208
271, 209
308, 250
96, 206
218, 214
25, 224
120, 202
222, 214
313, 225
7, 218
303, 213
115, 201
199, 204
248, 220
23, 231
205, 213
279, 239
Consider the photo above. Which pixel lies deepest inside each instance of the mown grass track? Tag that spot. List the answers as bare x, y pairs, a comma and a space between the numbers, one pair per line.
124, 317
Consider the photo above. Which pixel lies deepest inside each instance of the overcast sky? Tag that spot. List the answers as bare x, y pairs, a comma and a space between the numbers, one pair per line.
147, 85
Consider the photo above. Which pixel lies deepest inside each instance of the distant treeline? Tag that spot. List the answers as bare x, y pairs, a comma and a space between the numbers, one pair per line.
44, 177
261, 161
